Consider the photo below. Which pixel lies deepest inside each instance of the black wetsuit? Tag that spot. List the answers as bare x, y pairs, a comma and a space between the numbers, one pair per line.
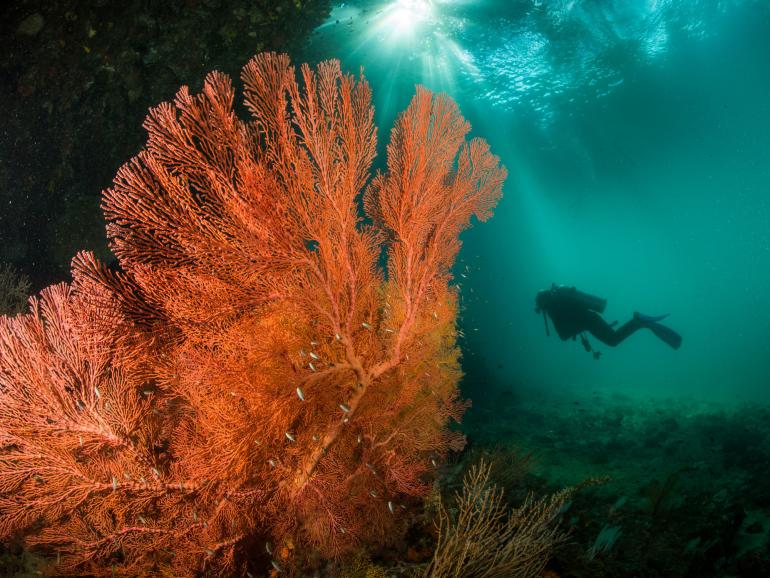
571, 318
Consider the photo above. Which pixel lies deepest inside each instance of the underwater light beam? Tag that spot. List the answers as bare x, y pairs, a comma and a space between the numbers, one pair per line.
405, 15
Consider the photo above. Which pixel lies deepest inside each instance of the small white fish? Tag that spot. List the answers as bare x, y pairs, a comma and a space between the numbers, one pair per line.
114, 483
249, 574
257, 442
233, 394
463, 275
435, 315
156, 472
209, 552
271, 461
366, 325
388, 330
268, 548
342, 530
311, 366
315, 438
371, 467
337, 336
432, 461
80, 439
289, 437
358, 439
346, 420
300, 395
372, 493
313, 343
391, 507
314, 356
302, 352
142, 520
98, 394
276, 566
344, 408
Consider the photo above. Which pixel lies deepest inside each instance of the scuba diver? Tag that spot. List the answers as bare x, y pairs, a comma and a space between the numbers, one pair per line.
573, 312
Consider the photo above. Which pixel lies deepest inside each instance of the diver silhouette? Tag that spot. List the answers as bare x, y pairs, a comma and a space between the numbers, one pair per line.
573, 312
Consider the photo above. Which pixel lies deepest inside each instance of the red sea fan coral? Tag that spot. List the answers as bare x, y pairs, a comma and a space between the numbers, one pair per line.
252, 371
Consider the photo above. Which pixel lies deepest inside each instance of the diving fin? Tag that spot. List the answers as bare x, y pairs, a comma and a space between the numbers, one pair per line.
649, 318
665, 334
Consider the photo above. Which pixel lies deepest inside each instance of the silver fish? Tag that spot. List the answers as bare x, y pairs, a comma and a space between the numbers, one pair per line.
268, 548
271, 461
98, 394
313, 343
209, 552
314, 356
372, 493
114, 483
300, 394
388, 330
435, 465
337, 336
276, 566
290, 437
391, 507
156, 472
366, 325
311, 366
344, 408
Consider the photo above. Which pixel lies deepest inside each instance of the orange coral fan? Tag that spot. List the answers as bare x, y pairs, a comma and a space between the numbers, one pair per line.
252, 372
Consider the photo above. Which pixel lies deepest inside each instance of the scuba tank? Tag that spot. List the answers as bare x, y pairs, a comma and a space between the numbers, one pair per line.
585, 300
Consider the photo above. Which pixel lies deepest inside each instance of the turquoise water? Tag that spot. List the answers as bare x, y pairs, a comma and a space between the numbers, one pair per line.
637, 139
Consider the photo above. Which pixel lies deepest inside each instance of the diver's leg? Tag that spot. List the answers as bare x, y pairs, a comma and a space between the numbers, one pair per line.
604, 332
